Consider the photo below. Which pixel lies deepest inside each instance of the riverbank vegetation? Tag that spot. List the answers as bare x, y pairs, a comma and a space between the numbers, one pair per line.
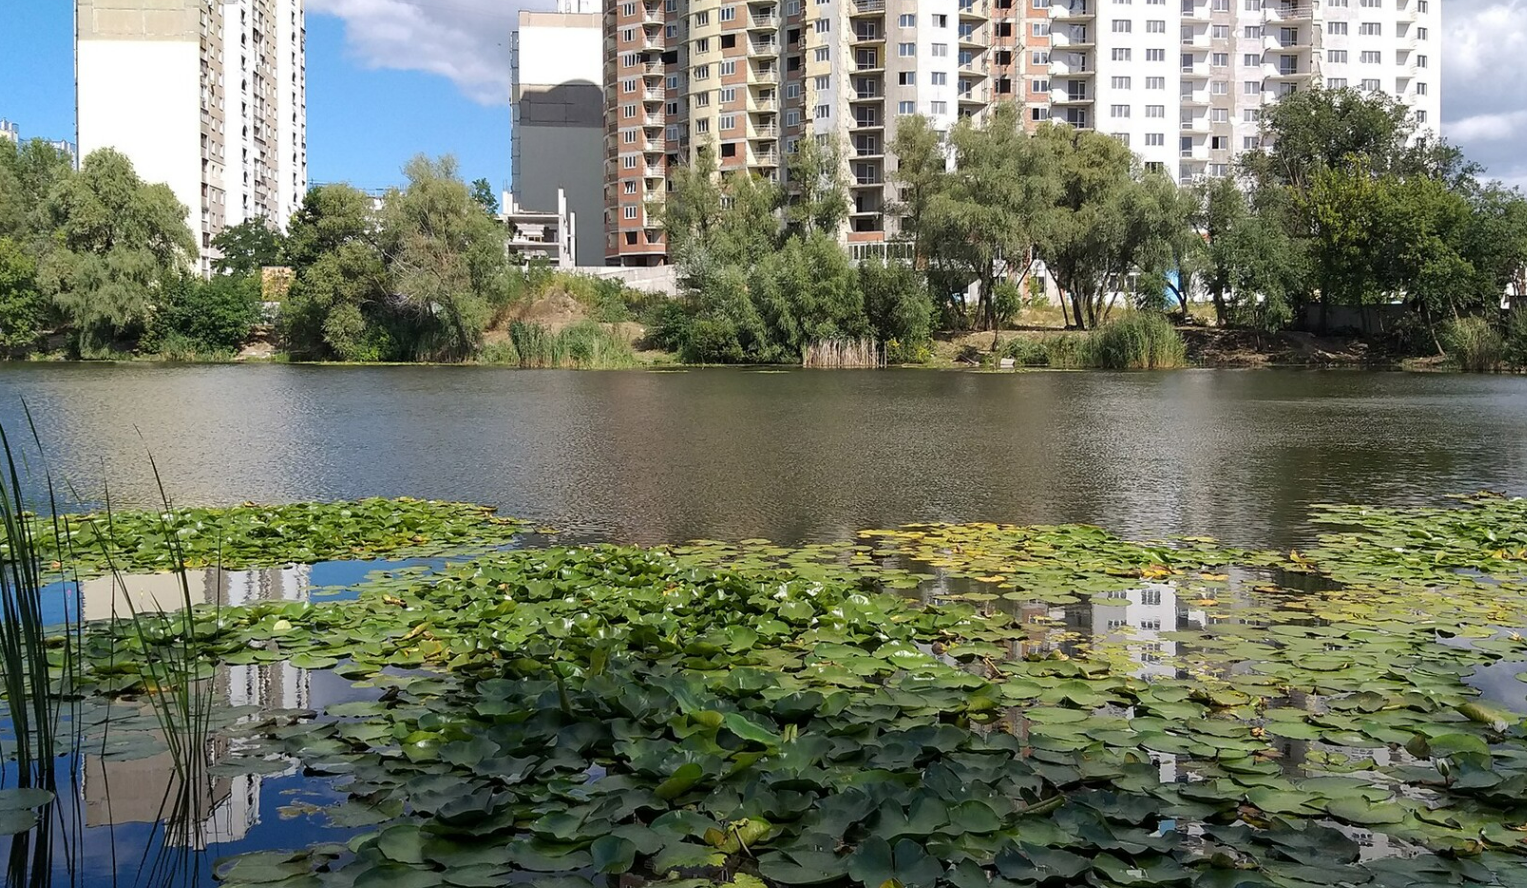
937, 705
1350, 220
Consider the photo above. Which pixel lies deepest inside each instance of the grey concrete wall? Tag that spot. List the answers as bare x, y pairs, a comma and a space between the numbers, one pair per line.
570, 158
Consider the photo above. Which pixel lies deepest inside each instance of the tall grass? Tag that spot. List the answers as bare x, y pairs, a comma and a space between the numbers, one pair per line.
1474, 345
1140, 341
585, 346
843, 354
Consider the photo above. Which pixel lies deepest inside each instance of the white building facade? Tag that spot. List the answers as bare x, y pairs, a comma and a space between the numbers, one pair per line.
208, 96
1184, 82
557, 66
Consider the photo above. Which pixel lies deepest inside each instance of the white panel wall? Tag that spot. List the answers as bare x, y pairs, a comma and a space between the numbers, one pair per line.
552, 55
162, 137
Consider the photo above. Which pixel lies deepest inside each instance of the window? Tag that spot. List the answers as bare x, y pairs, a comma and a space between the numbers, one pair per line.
1252, 32
1220, 32
823, 83
939, 78
702, 100
627, 34
1251, 87
1039, 29
673, 81
728, 13
1252, 115
629, 186
1155, 26
792, 117
1123, 26
906, 78
1117, 111
628, 162
1370, 86
906, 108
1250, 143
628, 111
702, 19
1220, 115
1336, 83
823, 25
702, 72
1039, 86
1219, 88
628, 137
1251, 60
670, 31
1371, 57
1420, 89
1338, 56
729, 94
1219, 60
728, 68
1041, 57
1155, 55
1120, 83
1420, 61
823, 53
907, 20
938, 108
629, 211
702, 125
1422, 33
1420, 117
906, 50
1123, 138
1336, 29
728, 121
1155, 110
1155, 83
1038, 114
1371, 29
940, 50
940, 20
628, 60
792, 90
1155, 140
1122, 54
823, 112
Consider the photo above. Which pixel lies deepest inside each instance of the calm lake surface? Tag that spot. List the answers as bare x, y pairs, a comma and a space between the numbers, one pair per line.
797, 456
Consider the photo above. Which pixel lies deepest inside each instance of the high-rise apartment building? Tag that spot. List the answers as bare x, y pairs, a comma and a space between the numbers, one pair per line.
557, 66
9, 131
1182, 82
209, 97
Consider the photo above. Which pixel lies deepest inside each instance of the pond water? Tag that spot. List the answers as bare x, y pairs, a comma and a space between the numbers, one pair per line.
652, 457
662, 457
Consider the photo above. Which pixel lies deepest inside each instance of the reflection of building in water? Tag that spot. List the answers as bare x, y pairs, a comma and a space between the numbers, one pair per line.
108, 597
1151, 611
144, 790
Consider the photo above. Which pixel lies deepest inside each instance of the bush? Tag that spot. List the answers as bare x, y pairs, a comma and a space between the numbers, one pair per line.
21, 303
1069, 352
500, 354
204, 318
899, 309
1026, 352
1007, 301
1140, 341
668, 324
1473, 344
1515, 345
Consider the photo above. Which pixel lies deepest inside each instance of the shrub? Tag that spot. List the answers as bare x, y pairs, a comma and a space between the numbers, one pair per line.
1007, 301
204, 318
1026, 352
899, 309
1515, 345
1069, 352
1140, 341
1473, 344
585, 346
499, 353
21, 303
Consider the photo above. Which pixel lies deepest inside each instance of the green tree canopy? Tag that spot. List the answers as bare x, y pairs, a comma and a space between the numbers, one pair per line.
484, 196
247, 247
117, 245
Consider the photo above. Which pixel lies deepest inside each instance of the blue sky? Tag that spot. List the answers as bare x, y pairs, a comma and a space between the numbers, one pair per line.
364, 121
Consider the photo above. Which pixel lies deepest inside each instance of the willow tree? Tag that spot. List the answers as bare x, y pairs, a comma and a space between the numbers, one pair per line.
816, 195
116, 244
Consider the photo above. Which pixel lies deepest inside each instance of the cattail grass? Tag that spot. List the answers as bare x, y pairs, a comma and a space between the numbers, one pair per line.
843, 354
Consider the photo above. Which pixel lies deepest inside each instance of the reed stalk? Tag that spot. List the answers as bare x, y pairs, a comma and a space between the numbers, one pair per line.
843, 354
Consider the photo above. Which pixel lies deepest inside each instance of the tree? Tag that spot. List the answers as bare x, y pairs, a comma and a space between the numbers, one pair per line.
817, 199
340, 302
117, 245
28, 174
21, 304
1249, 265
248, 247
1321, 128
447, 258
692, 208
205, 317
983, 217
485, 197
1110, 221
898, 308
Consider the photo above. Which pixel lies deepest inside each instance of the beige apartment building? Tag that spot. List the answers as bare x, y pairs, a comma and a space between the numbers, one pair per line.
1182, 82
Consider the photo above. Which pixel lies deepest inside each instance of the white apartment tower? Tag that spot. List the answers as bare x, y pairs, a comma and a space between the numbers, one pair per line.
1184, 82
209, 96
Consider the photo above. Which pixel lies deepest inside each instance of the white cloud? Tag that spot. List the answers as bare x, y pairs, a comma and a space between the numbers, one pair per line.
465, 41
1484, 82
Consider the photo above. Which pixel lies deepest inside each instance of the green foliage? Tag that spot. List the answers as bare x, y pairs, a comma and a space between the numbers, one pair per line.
118, 246
28, 174
484, 196
204, 318
1138, 341
248, 247
1473, 344
583, 346
1007, 302
22, 307
240, 536
1514, 344
1025, 352
816, 199
898, 308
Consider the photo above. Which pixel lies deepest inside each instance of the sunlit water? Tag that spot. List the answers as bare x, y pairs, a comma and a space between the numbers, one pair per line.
664, 457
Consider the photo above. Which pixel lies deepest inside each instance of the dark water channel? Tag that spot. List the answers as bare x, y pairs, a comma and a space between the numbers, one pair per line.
651, 457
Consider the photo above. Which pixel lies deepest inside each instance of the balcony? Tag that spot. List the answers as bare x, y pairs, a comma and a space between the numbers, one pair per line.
868, 35
1288, 12
1075, 11
1194, 12
763, 48
868, 7
1071, 38
763, 22
974, 9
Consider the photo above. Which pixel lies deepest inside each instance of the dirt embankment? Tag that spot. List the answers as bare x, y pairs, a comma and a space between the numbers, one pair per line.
556, 311
1214, 347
